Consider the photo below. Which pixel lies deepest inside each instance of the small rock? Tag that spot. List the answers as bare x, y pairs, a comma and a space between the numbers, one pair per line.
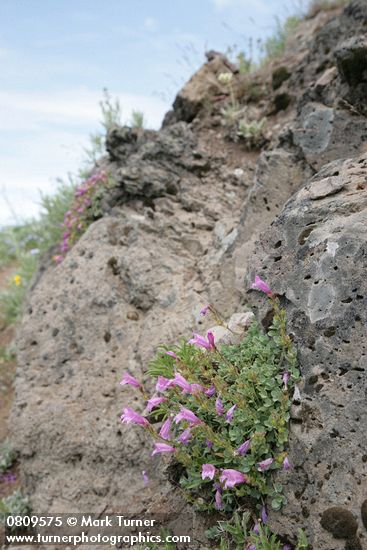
240, 321
222, 335
133, 315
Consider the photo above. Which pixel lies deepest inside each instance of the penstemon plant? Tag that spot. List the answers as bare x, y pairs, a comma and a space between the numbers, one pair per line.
84, 209
224, 413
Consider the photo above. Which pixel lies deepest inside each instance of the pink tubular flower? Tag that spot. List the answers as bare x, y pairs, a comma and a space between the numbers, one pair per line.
210, 391
162, 448
154, 402
9, 477
162, 384
285, 378
201, 342
185, 436
181, 382
251, 547
219, 406
207, 471
204, 310
186, 414
164, 432
209, 444
58, 258
256, 529
230, 478
287, 547
261, 285
145, 477
130, 380
129, 416
264, 514
210, 337
265, 464
172, 354
286, 464
229, 415
218, 500
242, 449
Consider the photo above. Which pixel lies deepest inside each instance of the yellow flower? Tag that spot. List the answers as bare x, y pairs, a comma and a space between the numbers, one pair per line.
17, 280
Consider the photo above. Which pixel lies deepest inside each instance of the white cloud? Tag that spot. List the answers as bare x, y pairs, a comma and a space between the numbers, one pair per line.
19, 110
43, 137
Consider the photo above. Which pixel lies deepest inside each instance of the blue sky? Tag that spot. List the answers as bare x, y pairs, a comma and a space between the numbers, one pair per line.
56, 56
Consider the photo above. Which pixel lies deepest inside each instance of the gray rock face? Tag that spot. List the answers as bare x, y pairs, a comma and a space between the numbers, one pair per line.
314, 257
133, 281
181, 229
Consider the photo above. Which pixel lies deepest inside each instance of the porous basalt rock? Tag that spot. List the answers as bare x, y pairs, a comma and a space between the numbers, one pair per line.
181, 229
313, 256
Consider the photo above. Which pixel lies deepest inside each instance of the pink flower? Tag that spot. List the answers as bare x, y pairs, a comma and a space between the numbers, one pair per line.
209, 444
172, 354
210, 337
154, 402
181, 382
207, 471
164, 432
218, 499
285, 378
261, 285
185, 436
9, 477
286, 464
58, 258
129, 416
264, 514
242, 449
145, 477
205, 310
162, 384
219, 407
200, 341
210, 391
162, 448
229, 415
256, 529
287, 547
265, 464
186, 414
230, 478
130, 380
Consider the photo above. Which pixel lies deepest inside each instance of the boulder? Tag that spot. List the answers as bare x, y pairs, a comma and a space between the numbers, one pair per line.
314, 258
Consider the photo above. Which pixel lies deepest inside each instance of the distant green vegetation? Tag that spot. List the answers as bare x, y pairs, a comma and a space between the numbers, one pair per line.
274, 46
22, 245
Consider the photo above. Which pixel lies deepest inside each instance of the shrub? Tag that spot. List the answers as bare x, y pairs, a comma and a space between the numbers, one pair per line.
137, 119
225, 413
252, 132
274, 46
15, 504
7, 457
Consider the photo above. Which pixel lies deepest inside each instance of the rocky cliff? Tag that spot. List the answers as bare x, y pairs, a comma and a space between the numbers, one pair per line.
194, 216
